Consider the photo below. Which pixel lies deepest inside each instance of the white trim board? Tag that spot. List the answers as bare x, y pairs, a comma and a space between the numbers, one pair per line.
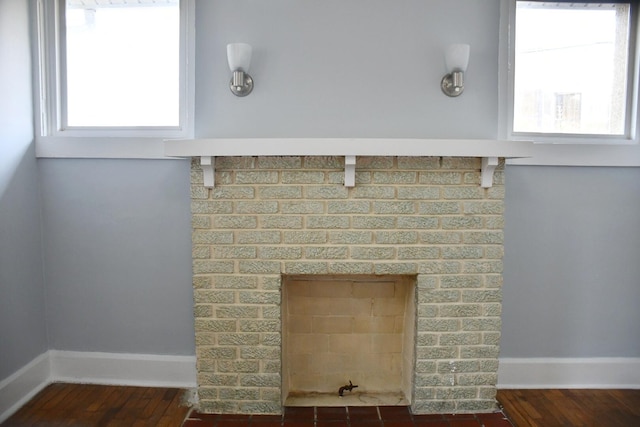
21, 386
585, 373
148, 370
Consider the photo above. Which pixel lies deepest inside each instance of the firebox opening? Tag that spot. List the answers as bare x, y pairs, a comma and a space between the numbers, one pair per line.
339, 329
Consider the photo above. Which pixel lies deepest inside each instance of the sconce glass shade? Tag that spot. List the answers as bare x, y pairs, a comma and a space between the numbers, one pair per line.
239, 58
456, 59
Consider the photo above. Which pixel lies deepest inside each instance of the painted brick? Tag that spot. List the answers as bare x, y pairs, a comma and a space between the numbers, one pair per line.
236, 312
372, 253
280, 192
396, 237
204, 267
236, 252
235, 221
281, 222
239, 366
302, 207
303, 177
201, 252
258, 297
461, 223
211, 207
418, 193
232, 193
304, 237
256, 177
280, 252
441, 178
213, 237
234, 282
200, 221
420, 163
300, 267
440, 237
324, 192
327, 222
239, 339
404, 177
350, 268
374, 193
393, 208
324, 162
395, 268
463, 252
375, 162
258, 237
259, 267
209, 325
356, 207
256, 207
418, 252
458, 192
278, 162
373, 222
324, 252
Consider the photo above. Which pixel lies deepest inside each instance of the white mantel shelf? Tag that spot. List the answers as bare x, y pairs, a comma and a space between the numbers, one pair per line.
209, 148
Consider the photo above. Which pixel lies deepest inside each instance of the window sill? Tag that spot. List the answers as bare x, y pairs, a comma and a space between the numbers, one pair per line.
547, 154
100, 148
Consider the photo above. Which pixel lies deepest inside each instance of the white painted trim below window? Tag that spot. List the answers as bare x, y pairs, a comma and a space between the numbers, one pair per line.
102, 148
581, 155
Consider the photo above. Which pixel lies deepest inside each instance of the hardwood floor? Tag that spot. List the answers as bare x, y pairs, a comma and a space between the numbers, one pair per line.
101, 406
560, 408
98, 406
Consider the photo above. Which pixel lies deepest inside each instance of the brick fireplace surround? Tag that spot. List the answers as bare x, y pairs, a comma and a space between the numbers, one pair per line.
421, 217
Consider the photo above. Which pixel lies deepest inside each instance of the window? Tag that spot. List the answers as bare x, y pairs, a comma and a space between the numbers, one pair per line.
573, 68
113, 70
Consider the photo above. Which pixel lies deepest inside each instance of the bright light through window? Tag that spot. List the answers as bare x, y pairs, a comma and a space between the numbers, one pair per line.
571, 68
122, 64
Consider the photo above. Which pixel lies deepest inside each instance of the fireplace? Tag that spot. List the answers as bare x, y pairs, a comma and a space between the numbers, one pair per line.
348, 332
424, 221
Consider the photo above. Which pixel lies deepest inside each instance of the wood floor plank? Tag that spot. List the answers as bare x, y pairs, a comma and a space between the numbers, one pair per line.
571, 408
101, 406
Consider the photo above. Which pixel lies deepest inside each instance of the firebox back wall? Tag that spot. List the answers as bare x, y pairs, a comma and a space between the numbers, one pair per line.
269, 216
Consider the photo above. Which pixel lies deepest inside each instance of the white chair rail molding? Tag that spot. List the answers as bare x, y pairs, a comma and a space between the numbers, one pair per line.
349, 148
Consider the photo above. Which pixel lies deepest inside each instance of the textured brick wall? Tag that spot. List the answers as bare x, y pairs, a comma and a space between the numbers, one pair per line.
270, 216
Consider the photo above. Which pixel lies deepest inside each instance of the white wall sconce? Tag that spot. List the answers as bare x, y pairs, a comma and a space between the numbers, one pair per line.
239, 57
456, 59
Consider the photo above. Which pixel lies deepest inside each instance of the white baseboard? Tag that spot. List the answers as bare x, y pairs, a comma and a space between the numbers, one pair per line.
147, 370
21, 386
123, 369
587, 373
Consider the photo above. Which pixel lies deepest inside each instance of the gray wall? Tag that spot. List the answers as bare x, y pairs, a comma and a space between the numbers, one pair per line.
572, 262
22, 307
118, 255
117, 231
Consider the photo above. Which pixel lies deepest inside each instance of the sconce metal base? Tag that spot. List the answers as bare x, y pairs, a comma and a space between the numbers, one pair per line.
243, 90
448, 86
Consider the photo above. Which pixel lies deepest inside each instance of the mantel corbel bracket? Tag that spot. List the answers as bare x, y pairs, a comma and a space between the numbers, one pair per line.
208, 165
489, 165
349, 171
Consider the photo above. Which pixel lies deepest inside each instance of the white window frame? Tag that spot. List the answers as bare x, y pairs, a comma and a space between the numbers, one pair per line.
100, 142
567, 150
